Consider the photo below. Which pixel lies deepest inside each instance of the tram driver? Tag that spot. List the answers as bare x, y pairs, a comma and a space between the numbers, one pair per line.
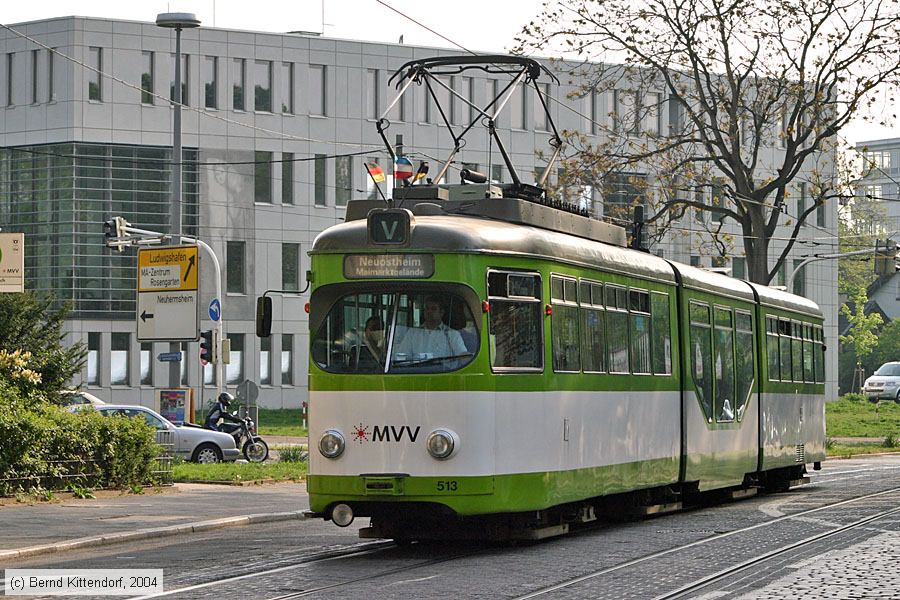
433, 339
370, 352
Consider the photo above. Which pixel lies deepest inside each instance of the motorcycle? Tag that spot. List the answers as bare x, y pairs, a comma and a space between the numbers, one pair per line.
254, 448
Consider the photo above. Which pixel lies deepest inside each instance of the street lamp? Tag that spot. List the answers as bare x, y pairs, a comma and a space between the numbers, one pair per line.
176, 21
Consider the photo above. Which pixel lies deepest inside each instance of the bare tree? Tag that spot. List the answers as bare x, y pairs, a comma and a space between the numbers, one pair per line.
754, 93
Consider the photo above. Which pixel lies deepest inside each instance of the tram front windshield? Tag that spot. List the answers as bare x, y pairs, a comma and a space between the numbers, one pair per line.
396, 332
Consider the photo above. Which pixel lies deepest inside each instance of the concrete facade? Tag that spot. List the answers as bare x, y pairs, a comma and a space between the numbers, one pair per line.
47, 105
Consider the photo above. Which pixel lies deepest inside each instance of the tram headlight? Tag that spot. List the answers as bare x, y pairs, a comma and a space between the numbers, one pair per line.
331, 444
441, 443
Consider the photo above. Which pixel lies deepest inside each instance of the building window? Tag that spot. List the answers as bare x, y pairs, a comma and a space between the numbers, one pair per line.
235, 274
265, 360
517, 108
372, 94
625, 105
147, 363
239, 80
650, 119
93, 359
739, 267
185, 79
541, 121
51, 90
343, 180
234, 370
287, 178
801, 199
320, 183
262, 90
34, 76
318, 91
262, 177
95, 61
147, 78
290, 267
820, 215
210, 81
184, 363
287, 88
287, 359
799, 278
118, 358
496, 173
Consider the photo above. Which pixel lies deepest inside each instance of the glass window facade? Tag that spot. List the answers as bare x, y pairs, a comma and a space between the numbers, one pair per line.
287, 359
262, 177
59, 198
234, 276
95, 60
119, 358
93, 359
286, 87
343, 180
185, 80
318, 92
234, 370
320, 184
238, 83
290, 267
210, 74
287, 178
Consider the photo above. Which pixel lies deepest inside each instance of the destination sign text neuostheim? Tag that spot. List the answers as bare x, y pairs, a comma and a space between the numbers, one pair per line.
388, 266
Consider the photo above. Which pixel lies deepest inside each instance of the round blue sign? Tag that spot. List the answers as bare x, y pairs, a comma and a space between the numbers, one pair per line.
215, 309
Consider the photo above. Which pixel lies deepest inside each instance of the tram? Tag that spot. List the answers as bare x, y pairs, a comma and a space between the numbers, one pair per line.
487, 364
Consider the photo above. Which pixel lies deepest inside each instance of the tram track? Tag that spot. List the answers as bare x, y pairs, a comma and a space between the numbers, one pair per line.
725, 572
369, 548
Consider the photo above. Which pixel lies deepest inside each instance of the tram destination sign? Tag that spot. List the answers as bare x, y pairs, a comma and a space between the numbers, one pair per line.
388, 266
168, 304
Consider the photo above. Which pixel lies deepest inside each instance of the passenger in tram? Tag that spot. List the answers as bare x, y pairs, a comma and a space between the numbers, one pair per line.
433, 339
370, 353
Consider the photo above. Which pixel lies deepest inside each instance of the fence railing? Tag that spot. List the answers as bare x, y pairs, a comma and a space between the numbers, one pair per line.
62, 475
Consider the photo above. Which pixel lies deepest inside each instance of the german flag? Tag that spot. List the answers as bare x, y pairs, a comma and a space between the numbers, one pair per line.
375, 172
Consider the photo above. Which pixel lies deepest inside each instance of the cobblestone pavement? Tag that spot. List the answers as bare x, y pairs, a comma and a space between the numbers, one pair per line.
857, 564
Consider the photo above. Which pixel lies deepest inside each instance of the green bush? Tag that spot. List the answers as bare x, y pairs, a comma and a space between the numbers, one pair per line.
45, 447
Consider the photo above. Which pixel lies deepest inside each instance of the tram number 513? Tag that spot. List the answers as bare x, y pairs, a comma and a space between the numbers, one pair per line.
447, 486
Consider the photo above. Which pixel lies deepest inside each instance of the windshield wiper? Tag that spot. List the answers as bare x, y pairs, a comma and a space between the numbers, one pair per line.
426, 361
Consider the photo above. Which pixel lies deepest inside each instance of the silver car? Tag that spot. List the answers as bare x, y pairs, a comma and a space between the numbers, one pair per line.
884, 383
191, 442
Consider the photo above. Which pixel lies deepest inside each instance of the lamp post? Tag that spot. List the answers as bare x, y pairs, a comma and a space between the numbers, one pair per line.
176, 21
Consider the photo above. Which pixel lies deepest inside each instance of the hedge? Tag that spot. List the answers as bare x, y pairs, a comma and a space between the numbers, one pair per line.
45, 447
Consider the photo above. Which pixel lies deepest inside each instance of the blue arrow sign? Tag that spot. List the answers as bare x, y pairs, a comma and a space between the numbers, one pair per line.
215, 309
169, 357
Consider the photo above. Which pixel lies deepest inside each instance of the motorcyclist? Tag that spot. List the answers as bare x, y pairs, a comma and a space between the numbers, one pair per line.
219, 412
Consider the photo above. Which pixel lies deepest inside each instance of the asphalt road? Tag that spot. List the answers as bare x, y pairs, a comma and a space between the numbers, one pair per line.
643, 559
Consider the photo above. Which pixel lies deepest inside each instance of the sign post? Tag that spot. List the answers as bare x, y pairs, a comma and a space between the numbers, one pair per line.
12, 263
168, 298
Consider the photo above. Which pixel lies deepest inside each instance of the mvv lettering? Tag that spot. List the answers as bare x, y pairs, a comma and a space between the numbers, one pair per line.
391, 433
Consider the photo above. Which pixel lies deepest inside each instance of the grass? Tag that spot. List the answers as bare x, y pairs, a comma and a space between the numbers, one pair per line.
860, 418
273, 421
848, 450
232, 472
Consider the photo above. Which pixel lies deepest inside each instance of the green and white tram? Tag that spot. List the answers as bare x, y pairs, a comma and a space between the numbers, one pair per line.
505, 365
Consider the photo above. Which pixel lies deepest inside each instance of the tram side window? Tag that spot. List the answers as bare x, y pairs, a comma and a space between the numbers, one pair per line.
784, 348
639, 333
808, 374
564, 325
773, 363
745, 372
797, 351
617, 323
723, 363
819, 356
701, 356
662, 334
515, 335
593, 340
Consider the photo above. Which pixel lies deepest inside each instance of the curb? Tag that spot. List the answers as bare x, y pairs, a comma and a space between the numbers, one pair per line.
146, 534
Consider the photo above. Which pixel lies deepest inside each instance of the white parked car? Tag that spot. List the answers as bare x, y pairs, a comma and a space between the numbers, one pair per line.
884, 383
194, 443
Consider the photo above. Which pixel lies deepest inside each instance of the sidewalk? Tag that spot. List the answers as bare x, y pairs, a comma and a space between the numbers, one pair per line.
28, 530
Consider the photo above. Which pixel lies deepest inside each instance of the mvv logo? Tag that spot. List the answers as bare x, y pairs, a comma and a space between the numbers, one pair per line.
392, 433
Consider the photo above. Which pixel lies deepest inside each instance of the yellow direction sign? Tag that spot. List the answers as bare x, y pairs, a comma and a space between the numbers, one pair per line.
169, 268
167, 308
